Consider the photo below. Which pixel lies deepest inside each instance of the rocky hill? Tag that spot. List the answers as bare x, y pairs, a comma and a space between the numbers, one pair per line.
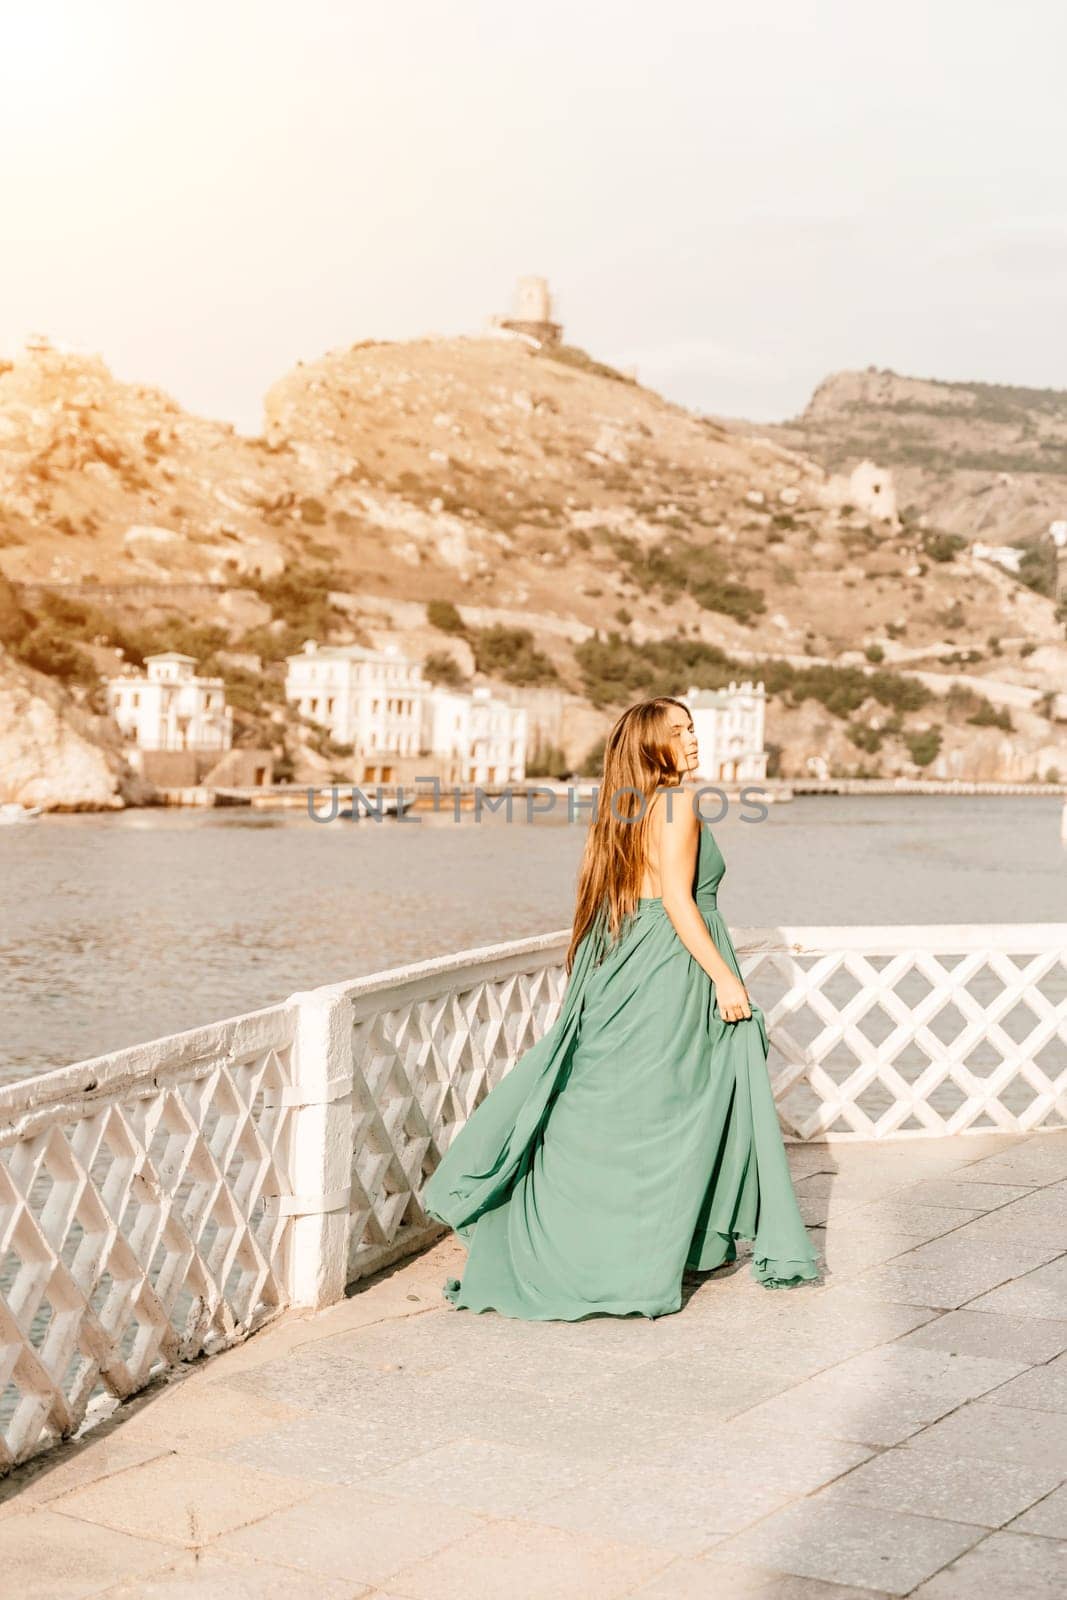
986, 461
513, 514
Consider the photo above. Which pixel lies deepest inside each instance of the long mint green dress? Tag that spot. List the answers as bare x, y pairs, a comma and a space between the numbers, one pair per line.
638, 1137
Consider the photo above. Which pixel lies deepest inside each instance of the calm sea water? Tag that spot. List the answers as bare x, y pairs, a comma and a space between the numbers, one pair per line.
120, 928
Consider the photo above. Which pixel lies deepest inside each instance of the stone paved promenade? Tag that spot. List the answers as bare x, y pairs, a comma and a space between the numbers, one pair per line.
898, 1429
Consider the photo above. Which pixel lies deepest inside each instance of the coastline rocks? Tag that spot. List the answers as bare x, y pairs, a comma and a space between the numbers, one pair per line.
50, 751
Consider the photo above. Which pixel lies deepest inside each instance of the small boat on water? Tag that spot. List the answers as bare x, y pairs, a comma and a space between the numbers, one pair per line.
12, 812
390, 806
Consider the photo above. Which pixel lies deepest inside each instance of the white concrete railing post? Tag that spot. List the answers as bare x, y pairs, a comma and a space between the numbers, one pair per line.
321, 1167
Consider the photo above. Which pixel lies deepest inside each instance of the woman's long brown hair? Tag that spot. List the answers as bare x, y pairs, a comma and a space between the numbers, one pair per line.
637, 762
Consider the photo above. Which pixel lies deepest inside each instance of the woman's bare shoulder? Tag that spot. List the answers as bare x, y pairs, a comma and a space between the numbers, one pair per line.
677, 807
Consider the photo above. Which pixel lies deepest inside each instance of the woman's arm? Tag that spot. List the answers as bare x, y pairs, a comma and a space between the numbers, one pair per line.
679, 842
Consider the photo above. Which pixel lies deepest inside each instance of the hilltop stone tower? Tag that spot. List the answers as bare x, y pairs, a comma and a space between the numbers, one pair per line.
532, 315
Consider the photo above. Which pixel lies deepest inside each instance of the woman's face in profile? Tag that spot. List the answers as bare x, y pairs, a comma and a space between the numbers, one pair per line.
684, 741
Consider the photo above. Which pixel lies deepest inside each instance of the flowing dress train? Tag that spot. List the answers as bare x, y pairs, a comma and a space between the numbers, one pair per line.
638, 1137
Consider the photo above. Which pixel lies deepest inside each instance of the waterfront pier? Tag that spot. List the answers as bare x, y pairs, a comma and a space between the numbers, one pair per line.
228, 1368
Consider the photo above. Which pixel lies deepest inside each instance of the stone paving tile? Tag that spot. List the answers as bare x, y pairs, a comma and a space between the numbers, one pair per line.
1041, 1389
682, 1511
673, 1512
337, 1448
589, 1425
984, 1432
788, 1461
410, 1293
679, 1387
949, 1487
686, 1579
185, 1500
860, 1545
336, 1385
402, 1415
1048, 1517
1041, 1292
825, 1193
437, 1351
439, 1337
860, 1319
46, 1557
908, 1160
1023, 1340
881, 1396
854, 1297
952, 1377
353, 1534
1042, 1159
960, 1192
950, 1272
200, 1416
212, 1575
496, 1480
73, 1465
529, 1562
903, 1215
845, 1254
1037, 1216
1005, 1566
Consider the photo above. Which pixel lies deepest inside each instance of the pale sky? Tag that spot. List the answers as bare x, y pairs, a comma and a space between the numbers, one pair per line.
737, 198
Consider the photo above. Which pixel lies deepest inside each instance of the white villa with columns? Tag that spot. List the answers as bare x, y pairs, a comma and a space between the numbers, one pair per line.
379, 702
729, 725
168, 707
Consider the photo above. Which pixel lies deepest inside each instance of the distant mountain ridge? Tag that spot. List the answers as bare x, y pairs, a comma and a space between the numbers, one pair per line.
985, 460
598, 541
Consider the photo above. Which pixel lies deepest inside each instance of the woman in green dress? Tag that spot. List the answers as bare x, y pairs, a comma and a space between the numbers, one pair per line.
638, 1137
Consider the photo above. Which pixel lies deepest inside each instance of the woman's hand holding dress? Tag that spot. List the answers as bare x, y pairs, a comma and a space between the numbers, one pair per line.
732, 997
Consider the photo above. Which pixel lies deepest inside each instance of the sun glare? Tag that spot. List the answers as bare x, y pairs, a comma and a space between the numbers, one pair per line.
51, 53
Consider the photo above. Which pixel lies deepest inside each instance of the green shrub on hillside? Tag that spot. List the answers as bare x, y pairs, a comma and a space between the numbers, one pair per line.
865, 738
1037, 566
988, 716
941, 546
510, 653
615, 670
923, 745
48, 650
440, 667
685, 568
299, 597
444, 616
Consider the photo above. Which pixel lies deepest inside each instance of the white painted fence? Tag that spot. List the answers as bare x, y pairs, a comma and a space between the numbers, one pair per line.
164, 1201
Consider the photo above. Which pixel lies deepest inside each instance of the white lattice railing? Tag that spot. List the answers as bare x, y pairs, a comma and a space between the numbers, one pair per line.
165, 1200
896, 1032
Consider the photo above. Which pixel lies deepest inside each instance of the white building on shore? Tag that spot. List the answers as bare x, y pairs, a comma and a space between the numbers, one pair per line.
497, 752
168, 707
476, 737
370, 699
379, 702
729, 726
